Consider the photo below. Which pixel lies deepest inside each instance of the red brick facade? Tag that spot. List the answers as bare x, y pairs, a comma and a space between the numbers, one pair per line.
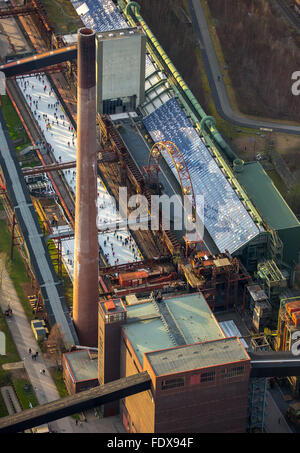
72, 385
208, 400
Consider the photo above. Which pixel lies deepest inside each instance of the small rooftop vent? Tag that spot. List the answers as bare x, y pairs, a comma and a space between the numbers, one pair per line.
110, 305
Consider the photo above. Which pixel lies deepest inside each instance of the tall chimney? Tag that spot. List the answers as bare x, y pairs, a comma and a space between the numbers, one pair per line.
85, 290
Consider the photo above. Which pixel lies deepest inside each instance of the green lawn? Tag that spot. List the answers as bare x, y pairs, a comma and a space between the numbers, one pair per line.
63, 16
25, 397
17, 131
12, 354
16, 269
57, 377
13, 122
3, 410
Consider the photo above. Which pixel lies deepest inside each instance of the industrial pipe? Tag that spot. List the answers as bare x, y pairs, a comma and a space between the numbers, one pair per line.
133, 8
85, 288
208, 126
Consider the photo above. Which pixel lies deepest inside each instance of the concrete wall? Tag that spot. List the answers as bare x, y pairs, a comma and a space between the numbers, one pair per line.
120, 67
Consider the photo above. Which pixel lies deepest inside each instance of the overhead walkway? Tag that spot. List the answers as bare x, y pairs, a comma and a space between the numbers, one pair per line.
263, 366
38, 61
278, 364
76, 403
51, 288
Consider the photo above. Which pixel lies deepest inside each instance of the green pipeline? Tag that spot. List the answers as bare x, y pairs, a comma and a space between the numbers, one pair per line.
206, 124
133, 9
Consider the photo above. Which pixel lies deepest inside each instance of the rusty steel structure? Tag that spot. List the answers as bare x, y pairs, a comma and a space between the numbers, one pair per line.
51, 167
222, 279
140, 277
153, 169
37, 11
16, 11
134, 266
85, 287
53, 69
151, 173
111, 139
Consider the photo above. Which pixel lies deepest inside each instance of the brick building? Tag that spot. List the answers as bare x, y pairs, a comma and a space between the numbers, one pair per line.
199, 377
80, 370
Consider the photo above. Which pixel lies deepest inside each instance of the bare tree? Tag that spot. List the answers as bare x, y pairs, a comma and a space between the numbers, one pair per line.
55, 346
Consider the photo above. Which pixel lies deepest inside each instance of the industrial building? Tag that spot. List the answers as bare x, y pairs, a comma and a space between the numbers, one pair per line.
80, 371
131, 101
199, 377
121, 59
274, 210
288, 332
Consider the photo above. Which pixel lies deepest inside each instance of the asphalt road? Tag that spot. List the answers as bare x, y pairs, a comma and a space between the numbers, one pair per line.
214, 74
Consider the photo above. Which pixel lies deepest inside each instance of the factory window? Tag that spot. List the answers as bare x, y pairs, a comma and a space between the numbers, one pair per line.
209, 376
232, 372
172, 383
116, 317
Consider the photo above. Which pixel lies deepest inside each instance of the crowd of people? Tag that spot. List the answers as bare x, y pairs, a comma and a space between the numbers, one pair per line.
60, 140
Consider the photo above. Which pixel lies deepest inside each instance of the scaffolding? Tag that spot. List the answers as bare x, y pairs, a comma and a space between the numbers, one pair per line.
221, 278
288, 325
259, 308
271, 279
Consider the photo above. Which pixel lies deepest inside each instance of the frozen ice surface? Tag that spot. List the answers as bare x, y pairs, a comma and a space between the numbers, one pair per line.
118, 246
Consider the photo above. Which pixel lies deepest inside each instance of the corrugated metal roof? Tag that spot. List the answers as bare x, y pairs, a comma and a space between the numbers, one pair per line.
266, 197
186, 314
101, 15
197, 356
230, 329
194, 318
225, 216
145, 336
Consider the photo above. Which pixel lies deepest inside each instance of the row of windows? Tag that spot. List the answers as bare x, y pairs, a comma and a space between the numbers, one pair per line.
114, 317
232, 372
171, 383
208, 376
